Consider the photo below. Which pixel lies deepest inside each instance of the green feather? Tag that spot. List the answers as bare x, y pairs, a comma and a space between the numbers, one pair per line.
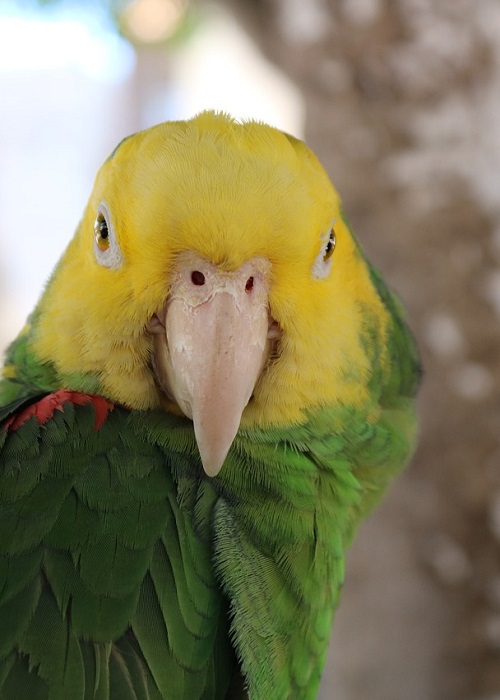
76, 561
18, 681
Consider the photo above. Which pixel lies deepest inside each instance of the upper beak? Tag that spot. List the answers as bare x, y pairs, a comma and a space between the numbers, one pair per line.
217, 328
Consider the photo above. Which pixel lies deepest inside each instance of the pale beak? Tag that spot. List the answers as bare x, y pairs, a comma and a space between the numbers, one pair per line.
217, 332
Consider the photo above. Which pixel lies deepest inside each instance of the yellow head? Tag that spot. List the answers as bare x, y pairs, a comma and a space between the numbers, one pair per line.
244, 205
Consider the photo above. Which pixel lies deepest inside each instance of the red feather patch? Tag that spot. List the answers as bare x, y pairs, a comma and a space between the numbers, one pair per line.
43, 410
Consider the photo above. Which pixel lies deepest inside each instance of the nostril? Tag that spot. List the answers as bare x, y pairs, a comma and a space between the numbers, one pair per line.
249, 284
198, 278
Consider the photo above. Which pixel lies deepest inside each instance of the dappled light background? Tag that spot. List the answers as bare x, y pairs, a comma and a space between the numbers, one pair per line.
400, 99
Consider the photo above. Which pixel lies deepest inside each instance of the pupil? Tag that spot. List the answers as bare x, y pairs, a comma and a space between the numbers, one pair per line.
103, 229
249, 284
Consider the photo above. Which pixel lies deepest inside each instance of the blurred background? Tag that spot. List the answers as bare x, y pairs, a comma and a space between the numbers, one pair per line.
401, 101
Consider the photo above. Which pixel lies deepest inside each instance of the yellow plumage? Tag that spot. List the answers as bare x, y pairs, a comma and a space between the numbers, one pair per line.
229, 191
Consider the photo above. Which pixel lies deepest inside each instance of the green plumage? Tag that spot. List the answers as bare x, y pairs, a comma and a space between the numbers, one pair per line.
127, 573
95, 549
115, 536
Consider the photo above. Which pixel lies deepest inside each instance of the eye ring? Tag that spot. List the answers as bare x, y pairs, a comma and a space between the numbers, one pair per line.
106, 247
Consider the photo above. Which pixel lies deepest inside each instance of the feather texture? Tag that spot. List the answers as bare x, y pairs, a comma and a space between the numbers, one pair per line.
126, 573
95, 549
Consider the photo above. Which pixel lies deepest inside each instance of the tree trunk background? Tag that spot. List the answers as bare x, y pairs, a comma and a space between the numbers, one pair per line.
402, 98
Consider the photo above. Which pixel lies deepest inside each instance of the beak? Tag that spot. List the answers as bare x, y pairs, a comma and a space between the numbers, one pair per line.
214, 347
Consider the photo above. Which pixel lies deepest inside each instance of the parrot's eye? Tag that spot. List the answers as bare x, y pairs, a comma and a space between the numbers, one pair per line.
106, 248
323, 262
101, 232
330, 246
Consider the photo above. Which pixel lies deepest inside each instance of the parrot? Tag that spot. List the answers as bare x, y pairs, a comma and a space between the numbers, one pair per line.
214, 389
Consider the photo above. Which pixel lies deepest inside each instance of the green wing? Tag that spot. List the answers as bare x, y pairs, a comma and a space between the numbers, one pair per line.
380, 447
106, 583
